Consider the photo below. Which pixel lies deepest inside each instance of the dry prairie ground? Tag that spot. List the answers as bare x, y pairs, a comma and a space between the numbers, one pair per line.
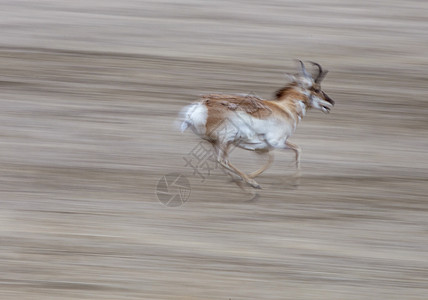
89, 96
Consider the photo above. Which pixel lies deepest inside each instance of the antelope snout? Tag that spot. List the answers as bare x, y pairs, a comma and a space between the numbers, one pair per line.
328, 99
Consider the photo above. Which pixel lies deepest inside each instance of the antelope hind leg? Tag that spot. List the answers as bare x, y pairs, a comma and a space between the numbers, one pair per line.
263, 168
247, 179
222, 158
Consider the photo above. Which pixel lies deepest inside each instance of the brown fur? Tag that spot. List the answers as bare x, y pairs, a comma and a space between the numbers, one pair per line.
287, 103
219, 105
284, 104
216, 104
252, 105
283, 91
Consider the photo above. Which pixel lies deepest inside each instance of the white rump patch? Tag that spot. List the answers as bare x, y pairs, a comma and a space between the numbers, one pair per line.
195, 116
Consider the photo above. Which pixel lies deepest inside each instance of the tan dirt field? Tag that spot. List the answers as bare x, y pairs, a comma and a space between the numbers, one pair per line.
90, 92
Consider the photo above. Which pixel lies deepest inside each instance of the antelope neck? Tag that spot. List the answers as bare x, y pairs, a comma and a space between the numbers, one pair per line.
294, 104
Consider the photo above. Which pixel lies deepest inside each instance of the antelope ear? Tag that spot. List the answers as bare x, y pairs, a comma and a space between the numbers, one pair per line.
290, 77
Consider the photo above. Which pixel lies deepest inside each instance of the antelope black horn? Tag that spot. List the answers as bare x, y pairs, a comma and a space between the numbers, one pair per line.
305, 73
319, 69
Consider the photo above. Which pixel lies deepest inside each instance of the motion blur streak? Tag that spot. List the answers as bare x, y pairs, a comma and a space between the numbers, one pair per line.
90, 92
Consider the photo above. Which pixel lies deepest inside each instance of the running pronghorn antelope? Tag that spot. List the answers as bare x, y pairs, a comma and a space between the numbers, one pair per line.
255, 124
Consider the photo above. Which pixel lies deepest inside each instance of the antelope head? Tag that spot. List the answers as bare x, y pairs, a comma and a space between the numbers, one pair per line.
317, 98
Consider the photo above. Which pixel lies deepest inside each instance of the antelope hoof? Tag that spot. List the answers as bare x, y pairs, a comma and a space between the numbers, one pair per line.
254, 184
235, 180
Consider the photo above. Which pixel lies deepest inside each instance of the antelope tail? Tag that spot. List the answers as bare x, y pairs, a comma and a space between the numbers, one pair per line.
195, 116
186, 124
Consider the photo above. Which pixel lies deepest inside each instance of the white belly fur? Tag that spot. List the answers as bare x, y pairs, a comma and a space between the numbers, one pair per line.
254, 134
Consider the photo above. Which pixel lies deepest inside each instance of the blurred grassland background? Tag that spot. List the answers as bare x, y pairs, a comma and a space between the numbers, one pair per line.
90, 91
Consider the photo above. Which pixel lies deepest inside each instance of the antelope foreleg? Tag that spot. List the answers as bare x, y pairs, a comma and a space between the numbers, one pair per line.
297, 151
